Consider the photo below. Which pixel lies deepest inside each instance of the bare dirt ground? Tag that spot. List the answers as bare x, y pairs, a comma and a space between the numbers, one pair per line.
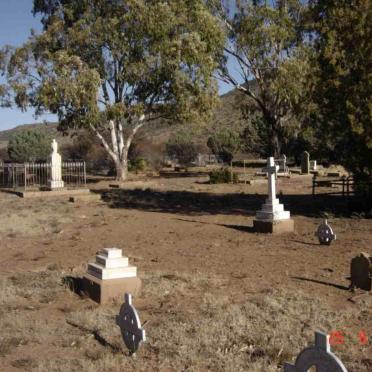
216, 296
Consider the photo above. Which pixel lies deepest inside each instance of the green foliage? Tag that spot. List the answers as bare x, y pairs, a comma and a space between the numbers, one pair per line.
138, 164
115, 66
224, 143
182, 147
344, 81
223, 175
117, 60
266, 42
29, 146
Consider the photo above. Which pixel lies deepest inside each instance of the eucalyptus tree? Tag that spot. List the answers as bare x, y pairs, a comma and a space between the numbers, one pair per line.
114, 66
344, 81
266, 58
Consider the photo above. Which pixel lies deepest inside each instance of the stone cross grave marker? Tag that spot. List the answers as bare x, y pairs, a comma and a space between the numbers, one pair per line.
272, 209
325, 233
130, 325
361, 272
305, 163
272, 218
319, 356
55, 181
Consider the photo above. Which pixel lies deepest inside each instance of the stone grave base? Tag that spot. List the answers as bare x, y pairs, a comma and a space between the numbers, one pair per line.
273, 227
85, 198
104, 291
53, 193
56, 185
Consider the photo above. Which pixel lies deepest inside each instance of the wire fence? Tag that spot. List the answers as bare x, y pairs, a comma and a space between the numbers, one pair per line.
34, 176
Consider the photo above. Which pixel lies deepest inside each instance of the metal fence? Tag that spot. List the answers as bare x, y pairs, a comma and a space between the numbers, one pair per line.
344, 186
33, 176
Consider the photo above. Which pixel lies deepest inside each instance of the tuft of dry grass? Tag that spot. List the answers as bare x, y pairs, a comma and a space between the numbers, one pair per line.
192, 327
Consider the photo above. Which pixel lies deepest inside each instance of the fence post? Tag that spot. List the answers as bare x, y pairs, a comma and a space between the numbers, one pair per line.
25, 173
85, 174
343, 178
245, 176
13, 176
314, 182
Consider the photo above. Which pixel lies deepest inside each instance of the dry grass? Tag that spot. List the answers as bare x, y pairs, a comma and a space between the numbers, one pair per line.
191, 327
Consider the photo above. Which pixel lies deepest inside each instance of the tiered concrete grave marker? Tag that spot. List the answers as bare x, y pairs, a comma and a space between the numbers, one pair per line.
110, 276
325, 233
272, 218
361, 272
55, 181
130, 325
305, 163
319, 356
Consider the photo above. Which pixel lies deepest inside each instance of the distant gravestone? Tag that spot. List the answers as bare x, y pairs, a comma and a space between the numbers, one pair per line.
319, 356
305, 163
282, 162
325, 233
361, 272
130, 325
313, 165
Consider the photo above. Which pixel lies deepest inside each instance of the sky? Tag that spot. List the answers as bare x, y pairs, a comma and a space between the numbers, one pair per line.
16, 21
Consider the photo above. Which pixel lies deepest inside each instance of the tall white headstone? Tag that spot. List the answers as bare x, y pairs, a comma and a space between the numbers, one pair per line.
272, 210
55, 181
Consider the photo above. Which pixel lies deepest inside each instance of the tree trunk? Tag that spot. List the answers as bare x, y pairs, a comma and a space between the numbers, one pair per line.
276, 146
121, 170
274, 134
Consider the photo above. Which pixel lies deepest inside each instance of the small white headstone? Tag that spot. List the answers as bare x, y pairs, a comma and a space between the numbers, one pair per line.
130, 325
319, 356
325, 233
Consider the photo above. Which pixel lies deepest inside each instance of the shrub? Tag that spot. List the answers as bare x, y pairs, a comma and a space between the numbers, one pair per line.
223, 175
139, 164
182, 148
29, 146
224, 143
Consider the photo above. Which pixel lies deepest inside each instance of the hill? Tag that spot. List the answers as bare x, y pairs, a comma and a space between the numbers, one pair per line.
227, 114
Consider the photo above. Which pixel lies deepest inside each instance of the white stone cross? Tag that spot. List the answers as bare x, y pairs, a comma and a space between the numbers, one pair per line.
318, 356
271, 169
130, 325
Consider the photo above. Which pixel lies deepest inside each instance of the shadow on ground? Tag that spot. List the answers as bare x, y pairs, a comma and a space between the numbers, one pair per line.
338, 286
202, 203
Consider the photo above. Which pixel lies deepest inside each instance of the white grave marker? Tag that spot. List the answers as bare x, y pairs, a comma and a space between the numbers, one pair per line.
130, 325
325, 233
272, 210
319, 356
55, 181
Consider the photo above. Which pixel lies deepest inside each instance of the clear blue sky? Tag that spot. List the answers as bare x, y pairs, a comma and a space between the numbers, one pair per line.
16, 21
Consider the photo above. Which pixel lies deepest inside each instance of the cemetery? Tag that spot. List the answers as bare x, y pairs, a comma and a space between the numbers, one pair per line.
208, 288
185, 186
